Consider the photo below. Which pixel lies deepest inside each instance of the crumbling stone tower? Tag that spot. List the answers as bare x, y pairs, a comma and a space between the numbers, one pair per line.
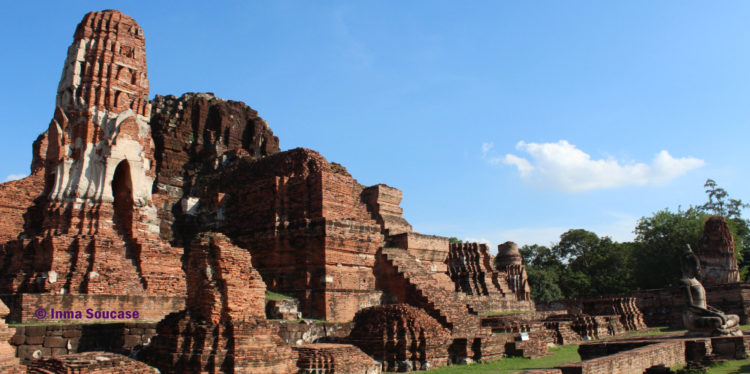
94, 228
716, 253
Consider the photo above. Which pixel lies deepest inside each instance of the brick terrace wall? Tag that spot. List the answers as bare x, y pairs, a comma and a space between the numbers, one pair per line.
663, 307
429, 248
590, 351
632, 361
150, 308
53, 340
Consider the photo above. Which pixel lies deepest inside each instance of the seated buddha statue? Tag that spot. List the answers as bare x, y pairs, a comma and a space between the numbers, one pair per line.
701, 319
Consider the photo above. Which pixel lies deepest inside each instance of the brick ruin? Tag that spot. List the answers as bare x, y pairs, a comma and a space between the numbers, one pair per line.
92, 228
402, 337
187, 208
224, 327
716, 253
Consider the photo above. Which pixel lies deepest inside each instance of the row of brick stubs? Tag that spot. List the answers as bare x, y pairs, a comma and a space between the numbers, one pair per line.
489, 290
564, 333
630, 316
401, 337
334, 358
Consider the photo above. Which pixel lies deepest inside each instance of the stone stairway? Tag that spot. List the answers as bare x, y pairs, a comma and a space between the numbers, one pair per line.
434, 291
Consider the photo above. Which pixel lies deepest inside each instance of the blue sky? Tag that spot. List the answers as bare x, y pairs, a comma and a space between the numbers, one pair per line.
499, 120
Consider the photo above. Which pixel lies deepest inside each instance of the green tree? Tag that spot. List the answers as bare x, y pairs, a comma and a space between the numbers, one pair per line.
595, 266
659, 242
543, 283
719, 202
454, 240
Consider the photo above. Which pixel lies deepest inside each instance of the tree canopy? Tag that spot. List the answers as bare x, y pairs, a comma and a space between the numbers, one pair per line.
582, 264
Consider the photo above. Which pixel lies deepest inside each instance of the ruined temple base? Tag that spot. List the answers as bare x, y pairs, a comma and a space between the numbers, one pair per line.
91, 363
334, 358
183, 345
150, 308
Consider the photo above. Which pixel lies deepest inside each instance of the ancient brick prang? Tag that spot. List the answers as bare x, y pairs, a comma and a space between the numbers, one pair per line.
716, 253
223, 328
510, 262
94, 229
194, 135
100, 121
310, 235
401, 336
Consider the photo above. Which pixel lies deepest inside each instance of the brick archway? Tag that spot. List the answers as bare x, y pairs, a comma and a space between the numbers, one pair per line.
122, 190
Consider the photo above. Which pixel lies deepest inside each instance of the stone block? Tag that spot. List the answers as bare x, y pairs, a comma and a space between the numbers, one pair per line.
54, 342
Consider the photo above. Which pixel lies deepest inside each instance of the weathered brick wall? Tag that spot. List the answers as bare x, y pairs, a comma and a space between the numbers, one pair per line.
15, 198
223, 327
293, 332
222, 284
192, 133
58, 340
150, 308
383, 202
91, 363
431, 249
310, 235
631, 361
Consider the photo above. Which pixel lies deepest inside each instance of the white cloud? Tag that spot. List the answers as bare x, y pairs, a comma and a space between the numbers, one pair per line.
563, 166
13, 177
486, 154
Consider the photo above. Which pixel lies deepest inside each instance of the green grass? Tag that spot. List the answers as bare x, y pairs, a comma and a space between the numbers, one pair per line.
656, 331
560, 356
728, 367
270, 295
731, 367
